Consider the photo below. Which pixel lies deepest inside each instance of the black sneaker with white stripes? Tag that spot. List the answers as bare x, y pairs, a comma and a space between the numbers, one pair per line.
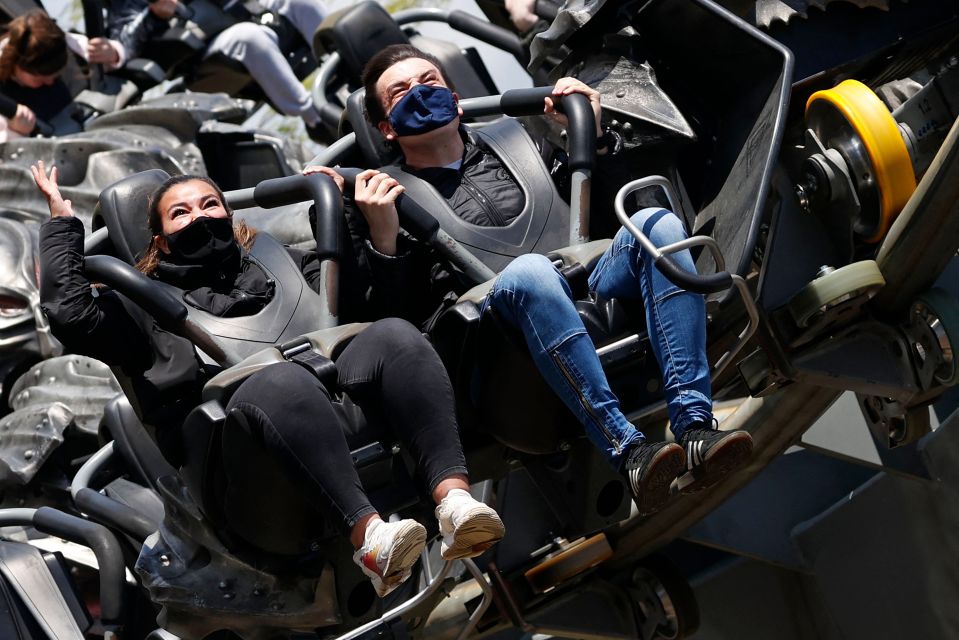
650, 469
711, 454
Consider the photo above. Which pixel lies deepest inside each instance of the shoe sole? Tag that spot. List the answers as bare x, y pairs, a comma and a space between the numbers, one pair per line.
725, 457
654, 490
479, 531
410, 542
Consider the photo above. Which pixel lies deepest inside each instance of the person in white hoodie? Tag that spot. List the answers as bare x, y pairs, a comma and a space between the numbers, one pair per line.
33, 55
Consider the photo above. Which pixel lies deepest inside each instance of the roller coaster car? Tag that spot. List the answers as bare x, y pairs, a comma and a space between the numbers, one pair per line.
735, 183
215, 510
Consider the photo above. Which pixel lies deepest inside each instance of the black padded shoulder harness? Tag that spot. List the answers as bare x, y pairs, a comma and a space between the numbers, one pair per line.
542, 226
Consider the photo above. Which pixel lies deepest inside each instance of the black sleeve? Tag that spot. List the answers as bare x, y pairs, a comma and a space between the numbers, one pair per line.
133, 24
95, 326
398, 286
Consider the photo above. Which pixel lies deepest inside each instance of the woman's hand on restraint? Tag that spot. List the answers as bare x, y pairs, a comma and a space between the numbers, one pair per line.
51, 191
566, 86
315, 168
376, 195
99, 51
24, 121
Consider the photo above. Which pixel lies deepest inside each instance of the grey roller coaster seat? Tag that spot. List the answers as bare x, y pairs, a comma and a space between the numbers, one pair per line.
293, 310
357, 33
123, 210
543, 224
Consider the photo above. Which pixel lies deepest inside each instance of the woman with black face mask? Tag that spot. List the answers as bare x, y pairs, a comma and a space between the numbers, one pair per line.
389, 370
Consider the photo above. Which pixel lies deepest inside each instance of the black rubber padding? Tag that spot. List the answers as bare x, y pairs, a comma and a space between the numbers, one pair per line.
115, 514
415, 219
524, 102
696, 283
318, 188
582, 131
487, 32
117, 274
104, 546
582, 121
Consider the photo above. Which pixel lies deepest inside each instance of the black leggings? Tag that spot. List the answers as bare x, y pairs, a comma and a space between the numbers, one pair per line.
393, 374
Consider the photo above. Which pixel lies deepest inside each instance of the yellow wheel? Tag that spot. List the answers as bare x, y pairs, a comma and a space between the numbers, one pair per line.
852, 119
834, 288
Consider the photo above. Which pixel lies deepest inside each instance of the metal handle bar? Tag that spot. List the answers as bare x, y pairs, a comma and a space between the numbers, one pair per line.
170, 313
471, 25
692, 282
103, 508
421, 224
90, 534
317, 188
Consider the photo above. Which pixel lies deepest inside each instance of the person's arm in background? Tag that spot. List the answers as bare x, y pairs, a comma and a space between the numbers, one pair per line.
521, 14
110, 53
133, 23
99, 327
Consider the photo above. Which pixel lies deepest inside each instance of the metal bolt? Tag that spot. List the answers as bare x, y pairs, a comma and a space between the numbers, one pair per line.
223, 585
565, 446
165, 560
29, 453
824, 270
227, 596
621, 93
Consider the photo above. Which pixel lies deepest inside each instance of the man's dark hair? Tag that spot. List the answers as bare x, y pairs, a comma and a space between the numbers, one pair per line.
378, 65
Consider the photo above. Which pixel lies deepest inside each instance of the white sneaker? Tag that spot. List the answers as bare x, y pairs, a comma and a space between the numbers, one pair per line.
468, 526
389, 550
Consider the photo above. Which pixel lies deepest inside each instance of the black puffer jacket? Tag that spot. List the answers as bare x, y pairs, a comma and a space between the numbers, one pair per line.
164, 369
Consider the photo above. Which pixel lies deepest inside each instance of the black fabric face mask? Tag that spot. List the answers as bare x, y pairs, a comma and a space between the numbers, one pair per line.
206, 241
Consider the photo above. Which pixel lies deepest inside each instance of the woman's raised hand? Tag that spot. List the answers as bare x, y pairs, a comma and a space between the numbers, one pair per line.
51, 190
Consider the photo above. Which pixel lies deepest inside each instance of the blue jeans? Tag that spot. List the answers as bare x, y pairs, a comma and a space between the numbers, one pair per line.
533, 296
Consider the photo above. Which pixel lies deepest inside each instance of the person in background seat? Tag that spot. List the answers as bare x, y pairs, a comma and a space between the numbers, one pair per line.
33, 56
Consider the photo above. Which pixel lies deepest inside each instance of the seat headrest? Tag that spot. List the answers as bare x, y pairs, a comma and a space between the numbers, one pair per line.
123, 207
377, 152
357, 33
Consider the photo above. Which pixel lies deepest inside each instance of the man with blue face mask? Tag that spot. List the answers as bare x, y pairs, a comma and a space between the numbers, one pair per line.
408, 100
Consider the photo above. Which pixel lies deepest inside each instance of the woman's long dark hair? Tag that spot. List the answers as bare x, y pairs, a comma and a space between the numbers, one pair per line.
244, 234
35, 44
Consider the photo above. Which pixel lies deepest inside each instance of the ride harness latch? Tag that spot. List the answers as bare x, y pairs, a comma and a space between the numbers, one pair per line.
300, 351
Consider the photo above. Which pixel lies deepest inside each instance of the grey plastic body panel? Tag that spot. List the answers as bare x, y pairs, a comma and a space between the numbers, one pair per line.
23, 567
543, 224
294, 309
326, 342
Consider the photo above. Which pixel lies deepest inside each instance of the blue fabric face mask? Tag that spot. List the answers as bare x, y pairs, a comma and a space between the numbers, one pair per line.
424, 108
